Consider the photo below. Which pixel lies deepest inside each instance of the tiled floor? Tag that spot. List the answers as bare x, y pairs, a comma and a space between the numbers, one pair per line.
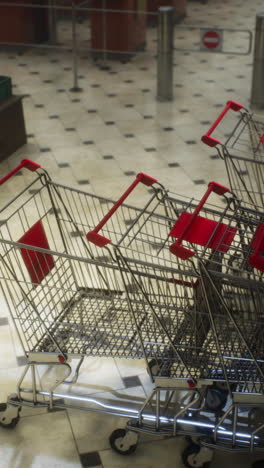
97, 140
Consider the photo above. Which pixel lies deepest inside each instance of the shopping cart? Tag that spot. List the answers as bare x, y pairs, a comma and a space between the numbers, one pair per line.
197, 318
242, 152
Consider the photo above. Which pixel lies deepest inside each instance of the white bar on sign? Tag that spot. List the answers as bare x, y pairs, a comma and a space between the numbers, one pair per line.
212, 39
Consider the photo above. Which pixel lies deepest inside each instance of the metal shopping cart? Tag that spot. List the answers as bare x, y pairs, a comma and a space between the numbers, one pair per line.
242, 152
189, 304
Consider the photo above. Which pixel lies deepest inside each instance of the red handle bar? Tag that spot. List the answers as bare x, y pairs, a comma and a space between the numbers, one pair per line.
93, 235
207, 139
27, 163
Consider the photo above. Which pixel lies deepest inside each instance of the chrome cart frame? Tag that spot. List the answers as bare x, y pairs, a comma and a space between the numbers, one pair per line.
191, 308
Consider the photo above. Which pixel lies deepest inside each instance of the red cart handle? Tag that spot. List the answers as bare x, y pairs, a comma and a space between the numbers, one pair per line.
27, 163
93, 235
176, 248
207, 139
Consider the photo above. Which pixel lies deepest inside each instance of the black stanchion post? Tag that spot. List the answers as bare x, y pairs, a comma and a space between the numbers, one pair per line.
165, 54
75, 87
53, 39
257, 90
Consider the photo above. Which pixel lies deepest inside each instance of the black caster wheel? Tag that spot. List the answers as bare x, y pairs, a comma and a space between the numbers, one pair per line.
258, 464
215, 399
255, 418
6, 413
154, 367
195, 456
123, 442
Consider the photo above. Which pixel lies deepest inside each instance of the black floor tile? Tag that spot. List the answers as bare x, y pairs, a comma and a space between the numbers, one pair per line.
76, 234
3, 321
45, 150
108, 156
199, 182
83, 182
132, 381
21, 361
214, 156
90, 459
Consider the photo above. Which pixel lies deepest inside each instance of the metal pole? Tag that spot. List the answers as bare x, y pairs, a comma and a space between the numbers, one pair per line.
257, 90
75, 87
104, 32
165, 54
52, 22
104, 65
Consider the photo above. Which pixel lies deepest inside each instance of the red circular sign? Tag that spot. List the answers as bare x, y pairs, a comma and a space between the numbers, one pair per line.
211, 39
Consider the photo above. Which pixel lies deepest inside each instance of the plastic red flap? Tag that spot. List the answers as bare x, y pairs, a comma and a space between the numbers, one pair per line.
258, 239
38, 264
201, 231
257, 259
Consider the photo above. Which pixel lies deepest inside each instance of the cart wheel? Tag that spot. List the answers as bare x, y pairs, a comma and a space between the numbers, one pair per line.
215, 399
255, 417
195, 456
9, 416
123, 441
154, 367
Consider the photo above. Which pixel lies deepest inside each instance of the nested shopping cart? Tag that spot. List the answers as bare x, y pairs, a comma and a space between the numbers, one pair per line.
177, 283
242, 151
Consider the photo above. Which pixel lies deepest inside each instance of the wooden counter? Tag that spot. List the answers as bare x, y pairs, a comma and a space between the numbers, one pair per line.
12, 126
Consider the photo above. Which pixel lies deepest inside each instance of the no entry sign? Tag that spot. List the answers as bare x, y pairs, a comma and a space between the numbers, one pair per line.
211, 40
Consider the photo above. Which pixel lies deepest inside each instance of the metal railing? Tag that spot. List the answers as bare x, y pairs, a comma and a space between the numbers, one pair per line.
165, 43
74, 10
